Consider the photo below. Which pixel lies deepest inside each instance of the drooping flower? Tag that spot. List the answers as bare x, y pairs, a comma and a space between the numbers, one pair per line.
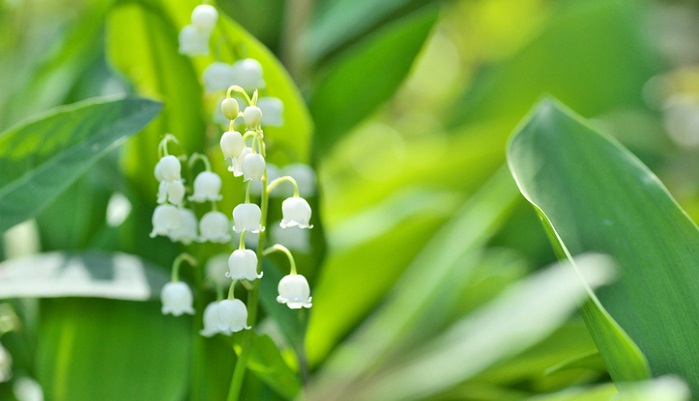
204, 18
171, 191
207, 186
212, 320
248, 74
296, 212
232, 144
177, 298
247, 216
186, 232
166, 219
237, 165
242, 265
193, 42
272, 111
233, 316
294, 292
253, 167
214, 227
169, 169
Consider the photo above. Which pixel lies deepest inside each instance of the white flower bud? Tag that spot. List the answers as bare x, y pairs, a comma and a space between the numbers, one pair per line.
166, 219
230, 108
237, 167
186, 232
294, 292
214, 227
233, 316
296, 212
252, 116
193, 42
177, 299
204, 18
294, 238
247, 216
232, 144
218, 76
248, 74
253, 167
212, 321
242, 265
272, 111
171, 191
207, 186
170, 168
304, 176
217, 270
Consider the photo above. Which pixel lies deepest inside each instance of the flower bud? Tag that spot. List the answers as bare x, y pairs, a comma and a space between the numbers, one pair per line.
170, 168
233, 316
232, 144
166, 218
253, 167
294, 292
177, 299
214, 227
204, 18
212, 320
242, 265
252, 116
230, 108
248, 74
247, 216
207, 186
186, 232
296, 212
193, 42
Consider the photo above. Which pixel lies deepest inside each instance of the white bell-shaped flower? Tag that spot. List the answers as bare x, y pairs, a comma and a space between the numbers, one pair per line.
242, 265
232, 144
294, 292
218, 76
166, 219
237, 165
169, 169
186, 232
230, 109
294, 238
272, 111
247, 216
193, 42
217, 270
204, 18
252, 116
253, 167
214, 227
233, 316
212, 320
207, 187
171, 191
158, 173
296, 212
248, 74
304, 176
177, 299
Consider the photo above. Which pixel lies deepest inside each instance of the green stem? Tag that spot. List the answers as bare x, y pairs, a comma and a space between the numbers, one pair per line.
284, 250
279, 180
198, 156
236, 88
241, 363
178, 261
231, 290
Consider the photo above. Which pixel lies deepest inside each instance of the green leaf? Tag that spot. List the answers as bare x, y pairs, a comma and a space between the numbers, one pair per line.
598, 197
111, 351
380, 63
88, 274
41, 158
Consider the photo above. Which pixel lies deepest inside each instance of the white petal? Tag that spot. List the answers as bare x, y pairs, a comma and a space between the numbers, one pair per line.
204, 18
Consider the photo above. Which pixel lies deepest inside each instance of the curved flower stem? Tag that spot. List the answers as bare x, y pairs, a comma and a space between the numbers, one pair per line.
198, 156
231, 289
253, 294
285, 250
236, 88
183, 257
279, 180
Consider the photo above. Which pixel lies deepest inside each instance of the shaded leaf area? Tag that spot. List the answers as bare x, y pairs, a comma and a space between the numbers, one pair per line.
87, 350
380, 62
592, 56
521, 316
41, 158
88, 274
596, 196
337, 24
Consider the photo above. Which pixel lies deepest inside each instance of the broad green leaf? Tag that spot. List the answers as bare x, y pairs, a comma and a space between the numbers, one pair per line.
523, 315
41, 158
267, 363
87, 274
95, 349
336, 23
594, 195
665, 388
592, 56
355, 85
